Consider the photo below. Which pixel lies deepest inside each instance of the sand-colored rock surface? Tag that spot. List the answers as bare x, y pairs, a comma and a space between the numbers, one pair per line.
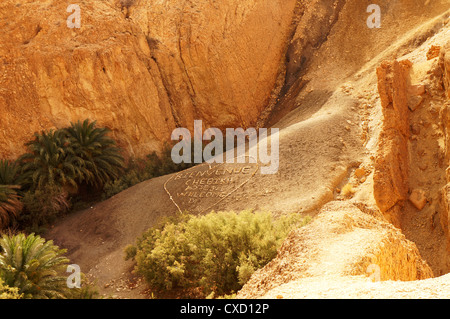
391, 165
444, 61
340, 241
141, 70
361, 287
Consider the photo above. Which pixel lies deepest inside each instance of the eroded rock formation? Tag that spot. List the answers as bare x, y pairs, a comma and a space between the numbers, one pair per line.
444, 62
341, 241
141, 68
392, 163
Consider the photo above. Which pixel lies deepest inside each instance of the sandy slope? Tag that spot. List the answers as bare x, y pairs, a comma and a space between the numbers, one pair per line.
360, 287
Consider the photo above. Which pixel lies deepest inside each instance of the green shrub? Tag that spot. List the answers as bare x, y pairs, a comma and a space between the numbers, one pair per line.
216, 253
140, 170
10, 204
49, 160
88, 290
68, 157
9, 173
130, 252
43, 205
132, 176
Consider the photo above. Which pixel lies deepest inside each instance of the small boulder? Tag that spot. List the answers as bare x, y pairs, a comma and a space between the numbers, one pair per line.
433, 52
414, 102
418, 198
360, 172
416, 89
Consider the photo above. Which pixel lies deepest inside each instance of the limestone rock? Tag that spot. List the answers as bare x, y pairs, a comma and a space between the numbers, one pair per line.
141, 68
391, 164
418, 198
433, 52
414, 102
360, 172
444, 62
416, 89
349, 240
393, 90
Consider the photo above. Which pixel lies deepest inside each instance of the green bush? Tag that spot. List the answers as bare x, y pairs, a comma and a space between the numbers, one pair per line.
59, 167
9, 173
212, 254
68, 157
49, 160
131, 177
97, 154
43, 205
10, 204
140, 170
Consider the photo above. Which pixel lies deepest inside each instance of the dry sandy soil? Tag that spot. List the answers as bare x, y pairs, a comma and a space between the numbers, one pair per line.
330, 122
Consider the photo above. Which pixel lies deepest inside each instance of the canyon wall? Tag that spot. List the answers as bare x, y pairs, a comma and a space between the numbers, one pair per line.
444, 62
411, 169
141, 68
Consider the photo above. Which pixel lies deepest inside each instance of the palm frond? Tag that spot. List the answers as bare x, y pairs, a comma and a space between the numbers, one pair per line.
10, 204
33, 266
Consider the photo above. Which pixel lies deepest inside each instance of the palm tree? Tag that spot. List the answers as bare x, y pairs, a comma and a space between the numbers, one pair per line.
98, 152
9, 173
33, 266
10, 204
50, 160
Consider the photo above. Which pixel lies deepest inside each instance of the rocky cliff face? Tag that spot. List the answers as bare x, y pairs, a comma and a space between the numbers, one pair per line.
391, 166
138, 67
444, 62
412, 157
144, 67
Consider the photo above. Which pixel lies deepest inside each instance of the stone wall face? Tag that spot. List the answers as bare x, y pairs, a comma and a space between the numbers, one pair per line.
141, 70
444, 63
391, 163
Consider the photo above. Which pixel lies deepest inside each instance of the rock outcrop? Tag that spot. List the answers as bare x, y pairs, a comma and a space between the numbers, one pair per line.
444, 62
140, 68
144, 67
341, 241
392, 162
